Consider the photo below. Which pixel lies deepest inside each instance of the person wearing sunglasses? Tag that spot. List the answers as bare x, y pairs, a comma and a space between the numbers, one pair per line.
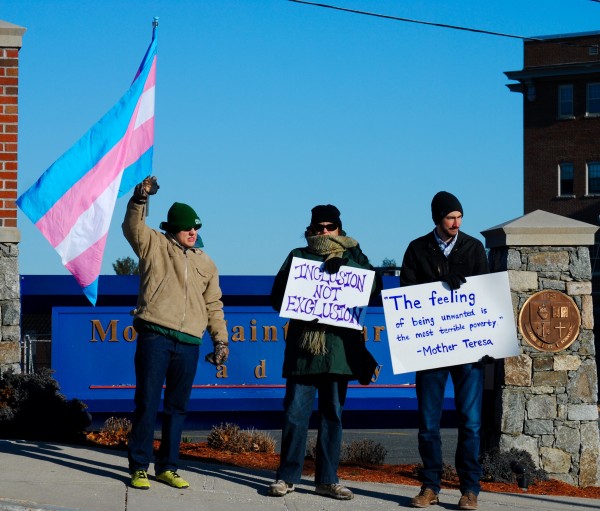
179, 299
319, 359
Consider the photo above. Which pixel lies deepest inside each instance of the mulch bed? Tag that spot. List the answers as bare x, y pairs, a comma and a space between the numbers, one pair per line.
396, 474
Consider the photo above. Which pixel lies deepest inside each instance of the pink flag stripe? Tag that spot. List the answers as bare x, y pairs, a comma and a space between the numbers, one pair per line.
72, 205
86, 267
77, 199
91, 225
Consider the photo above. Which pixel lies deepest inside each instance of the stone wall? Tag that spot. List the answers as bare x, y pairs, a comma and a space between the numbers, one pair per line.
10, 308
10, 301
547, 402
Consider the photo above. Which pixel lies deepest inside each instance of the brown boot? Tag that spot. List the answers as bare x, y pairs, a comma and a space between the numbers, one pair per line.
425, 498
468, 501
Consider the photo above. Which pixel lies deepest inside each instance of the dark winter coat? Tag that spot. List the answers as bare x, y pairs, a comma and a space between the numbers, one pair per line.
425, 262
347, 355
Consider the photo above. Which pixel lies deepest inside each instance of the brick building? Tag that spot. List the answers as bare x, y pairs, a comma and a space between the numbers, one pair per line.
560, 84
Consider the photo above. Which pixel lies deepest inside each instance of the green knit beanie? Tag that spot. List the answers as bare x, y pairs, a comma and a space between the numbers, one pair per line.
181, 217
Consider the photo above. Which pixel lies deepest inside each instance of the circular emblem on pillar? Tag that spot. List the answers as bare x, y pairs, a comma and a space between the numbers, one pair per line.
549, 321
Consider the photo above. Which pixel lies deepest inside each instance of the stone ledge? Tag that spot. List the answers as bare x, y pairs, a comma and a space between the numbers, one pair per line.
10, 235
11, 36
542, 229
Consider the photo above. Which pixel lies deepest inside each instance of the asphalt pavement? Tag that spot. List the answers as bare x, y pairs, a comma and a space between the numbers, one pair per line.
400, 444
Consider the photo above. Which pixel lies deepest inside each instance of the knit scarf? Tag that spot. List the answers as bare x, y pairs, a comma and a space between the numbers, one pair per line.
312, 338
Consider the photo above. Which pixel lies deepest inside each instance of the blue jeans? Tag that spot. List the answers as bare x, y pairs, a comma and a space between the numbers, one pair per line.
298, 406
468, 390
159, 359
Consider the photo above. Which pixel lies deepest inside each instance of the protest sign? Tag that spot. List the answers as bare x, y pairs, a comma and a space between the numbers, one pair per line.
431, 325
339, 299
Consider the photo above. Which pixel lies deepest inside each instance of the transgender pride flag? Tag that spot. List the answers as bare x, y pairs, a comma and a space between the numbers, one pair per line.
73, 201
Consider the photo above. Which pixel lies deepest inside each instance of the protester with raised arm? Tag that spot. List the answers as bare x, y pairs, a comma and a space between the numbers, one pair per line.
179, 299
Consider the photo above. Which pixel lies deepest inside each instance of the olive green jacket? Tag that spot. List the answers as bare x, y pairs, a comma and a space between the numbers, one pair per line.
347, 355
179, 288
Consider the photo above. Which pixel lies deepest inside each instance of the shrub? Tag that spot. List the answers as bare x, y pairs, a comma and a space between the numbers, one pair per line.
497, 466
311, 448
363, 452
448, 472
357, 452
31, 408
229, 437
114, 432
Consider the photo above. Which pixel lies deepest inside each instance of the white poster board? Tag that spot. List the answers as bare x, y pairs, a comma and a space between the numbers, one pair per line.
338, 299
430, 325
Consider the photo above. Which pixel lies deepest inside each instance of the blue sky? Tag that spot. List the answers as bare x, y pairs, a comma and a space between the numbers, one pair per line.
265, 108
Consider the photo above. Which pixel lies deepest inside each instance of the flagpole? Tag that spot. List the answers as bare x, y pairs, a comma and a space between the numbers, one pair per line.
154, 27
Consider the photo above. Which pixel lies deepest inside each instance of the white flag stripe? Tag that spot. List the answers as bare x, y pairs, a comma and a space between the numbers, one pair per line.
91, 226
146, 110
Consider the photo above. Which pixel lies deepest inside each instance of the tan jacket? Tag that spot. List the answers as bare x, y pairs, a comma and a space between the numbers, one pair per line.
179, 288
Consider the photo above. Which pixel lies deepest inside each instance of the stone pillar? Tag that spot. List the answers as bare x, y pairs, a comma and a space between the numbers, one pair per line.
546, 402
10, 300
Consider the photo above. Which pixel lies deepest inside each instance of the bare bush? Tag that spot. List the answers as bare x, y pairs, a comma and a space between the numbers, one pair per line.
114, 432
229, 437
363, 452
357, 452
498, 466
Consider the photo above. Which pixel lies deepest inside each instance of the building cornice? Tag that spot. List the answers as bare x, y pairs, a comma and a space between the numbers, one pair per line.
11, 36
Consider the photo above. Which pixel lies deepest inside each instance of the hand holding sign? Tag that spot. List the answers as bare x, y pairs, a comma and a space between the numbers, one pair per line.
430, 325
338, 298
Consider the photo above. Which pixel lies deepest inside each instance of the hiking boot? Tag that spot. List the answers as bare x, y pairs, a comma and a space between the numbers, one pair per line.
139, 480
425, 498
468, 501
280, 488
335, 491
173, 479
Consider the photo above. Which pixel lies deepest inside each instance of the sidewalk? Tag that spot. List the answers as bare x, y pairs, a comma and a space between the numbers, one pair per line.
44, 476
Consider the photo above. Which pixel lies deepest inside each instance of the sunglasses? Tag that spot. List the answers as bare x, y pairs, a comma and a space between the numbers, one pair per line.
326, 227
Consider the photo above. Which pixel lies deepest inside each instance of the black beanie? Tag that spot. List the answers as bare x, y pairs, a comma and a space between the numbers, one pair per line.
442, 204
326, 213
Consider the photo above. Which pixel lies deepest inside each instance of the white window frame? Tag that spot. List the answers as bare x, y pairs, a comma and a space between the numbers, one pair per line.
562, 112
562, 166
589, 98
589, 193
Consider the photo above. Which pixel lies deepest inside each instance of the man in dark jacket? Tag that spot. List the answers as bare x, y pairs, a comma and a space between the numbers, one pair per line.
449, 256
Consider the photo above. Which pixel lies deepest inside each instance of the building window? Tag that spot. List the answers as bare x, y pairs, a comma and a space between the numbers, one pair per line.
565, 101
565, 180
593, 99
593, 178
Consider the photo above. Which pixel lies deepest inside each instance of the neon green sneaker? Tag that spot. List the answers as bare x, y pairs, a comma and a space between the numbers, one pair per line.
139, 480
173, 479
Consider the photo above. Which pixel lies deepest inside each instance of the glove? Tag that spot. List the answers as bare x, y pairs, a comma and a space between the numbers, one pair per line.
333, 265
486, 359
219, 355
454, 280
142, 190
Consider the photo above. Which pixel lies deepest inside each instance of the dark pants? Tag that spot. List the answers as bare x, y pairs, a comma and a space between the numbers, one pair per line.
468, 390
298, 406
159, 359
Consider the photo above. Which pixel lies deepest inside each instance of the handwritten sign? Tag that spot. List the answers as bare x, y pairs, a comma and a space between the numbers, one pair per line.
338, 299
430, 325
